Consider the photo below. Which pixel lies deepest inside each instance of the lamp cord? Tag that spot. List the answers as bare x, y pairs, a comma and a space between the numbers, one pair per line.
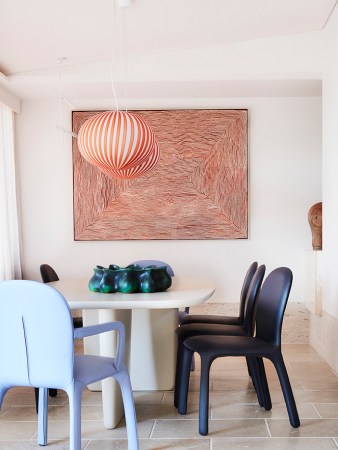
113, 59
124, 58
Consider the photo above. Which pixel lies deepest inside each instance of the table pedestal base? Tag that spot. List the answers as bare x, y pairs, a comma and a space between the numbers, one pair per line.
153, 354
152, 361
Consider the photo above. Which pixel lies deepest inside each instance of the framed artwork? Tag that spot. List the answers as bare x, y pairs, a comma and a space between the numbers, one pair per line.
198, 190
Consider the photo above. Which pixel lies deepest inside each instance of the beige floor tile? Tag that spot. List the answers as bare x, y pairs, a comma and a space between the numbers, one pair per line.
230, 373
243, 411
111, 444
20, 414
188, 429
90, 398
175, 444
92, 429
323, 385
236, 419
217, 398
152, 444
306, 396
311, 367
241, 384
327, 410
273, 443
95, 430
16, 431
33, 445
298, 348
311, 357
308, 428
141, 397
164, 411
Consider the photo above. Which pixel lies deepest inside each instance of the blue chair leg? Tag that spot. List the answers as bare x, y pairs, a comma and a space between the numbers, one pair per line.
254, 371
129, 409
43, 417
183, 381
178, 372
206, 362
287, 390
75, 397
264, 384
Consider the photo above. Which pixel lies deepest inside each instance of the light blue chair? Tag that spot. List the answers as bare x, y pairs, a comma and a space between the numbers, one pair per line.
39, 353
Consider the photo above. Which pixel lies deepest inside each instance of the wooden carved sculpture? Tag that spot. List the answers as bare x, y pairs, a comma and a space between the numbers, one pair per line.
315, 221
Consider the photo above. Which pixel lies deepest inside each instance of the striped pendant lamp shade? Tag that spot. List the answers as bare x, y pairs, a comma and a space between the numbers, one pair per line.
136, 171
119, 143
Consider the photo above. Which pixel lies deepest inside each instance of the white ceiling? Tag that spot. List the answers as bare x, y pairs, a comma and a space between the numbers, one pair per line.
35, 33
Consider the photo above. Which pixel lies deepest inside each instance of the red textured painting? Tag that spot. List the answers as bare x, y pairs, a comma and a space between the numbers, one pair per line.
198, 190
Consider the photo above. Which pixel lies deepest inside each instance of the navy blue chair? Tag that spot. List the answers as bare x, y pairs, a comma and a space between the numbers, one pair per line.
246, 329
221, 319
265, 344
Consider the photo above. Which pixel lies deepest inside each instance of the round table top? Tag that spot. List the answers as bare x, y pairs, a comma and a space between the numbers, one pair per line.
184, 291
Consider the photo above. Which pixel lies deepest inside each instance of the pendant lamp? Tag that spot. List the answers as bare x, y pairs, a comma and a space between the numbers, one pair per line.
119, 143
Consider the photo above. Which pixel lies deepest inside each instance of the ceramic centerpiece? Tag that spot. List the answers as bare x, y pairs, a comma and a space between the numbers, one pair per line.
130, 279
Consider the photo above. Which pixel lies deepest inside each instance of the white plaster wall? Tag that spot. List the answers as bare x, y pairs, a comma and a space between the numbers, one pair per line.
330, 164
284, 181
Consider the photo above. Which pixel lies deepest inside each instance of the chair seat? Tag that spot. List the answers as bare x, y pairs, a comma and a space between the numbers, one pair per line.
208, 318
86, 368
194, 329
230, 346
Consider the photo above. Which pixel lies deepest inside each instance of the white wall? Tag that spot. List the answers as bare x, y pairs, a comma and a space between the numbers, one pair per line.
330, 164
284, 181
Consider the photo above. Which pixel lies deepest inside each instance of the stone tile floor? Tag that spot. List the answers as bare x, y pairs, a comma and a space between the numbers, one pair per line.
236, 420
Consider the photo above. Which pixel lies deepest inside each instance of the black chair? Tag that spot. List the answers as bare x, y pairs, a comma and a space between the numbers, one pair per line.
226, 320
48, 275
246, 329
266, 344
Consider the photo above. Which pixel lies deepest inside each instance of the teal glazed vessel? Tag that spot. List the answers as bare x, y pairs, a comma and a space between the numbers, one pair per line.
130, 279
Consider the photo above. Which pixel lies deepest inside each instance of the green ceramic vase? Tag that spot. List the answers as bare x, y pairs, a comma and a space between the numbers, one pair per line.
130, 279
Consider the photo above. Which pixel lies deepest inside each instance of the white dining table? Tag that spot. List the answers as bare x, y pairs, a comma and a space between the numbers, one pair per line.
150, 320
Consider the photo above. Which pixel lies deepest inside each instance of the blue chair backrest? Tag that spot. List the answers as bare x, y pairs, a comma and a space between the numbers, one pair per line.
271, 305
251, 301
246, 284
35, 351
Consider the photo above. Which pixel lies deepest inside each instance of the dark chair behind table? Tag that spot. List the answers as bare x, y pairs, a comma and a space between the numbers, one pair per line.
221, 319
185, 318
247, 329
265, 344
48, 275
41, 353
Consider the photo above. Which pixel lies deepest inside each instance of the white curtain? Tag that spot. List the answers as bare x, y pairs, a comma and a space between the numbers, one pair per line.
10, 266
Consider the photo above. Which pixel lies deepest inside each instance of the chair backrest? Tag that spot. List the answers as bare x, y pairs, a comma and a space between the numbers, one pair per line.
244, 292
48, 274
154, 262
35, 351
251, 301
271, 305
